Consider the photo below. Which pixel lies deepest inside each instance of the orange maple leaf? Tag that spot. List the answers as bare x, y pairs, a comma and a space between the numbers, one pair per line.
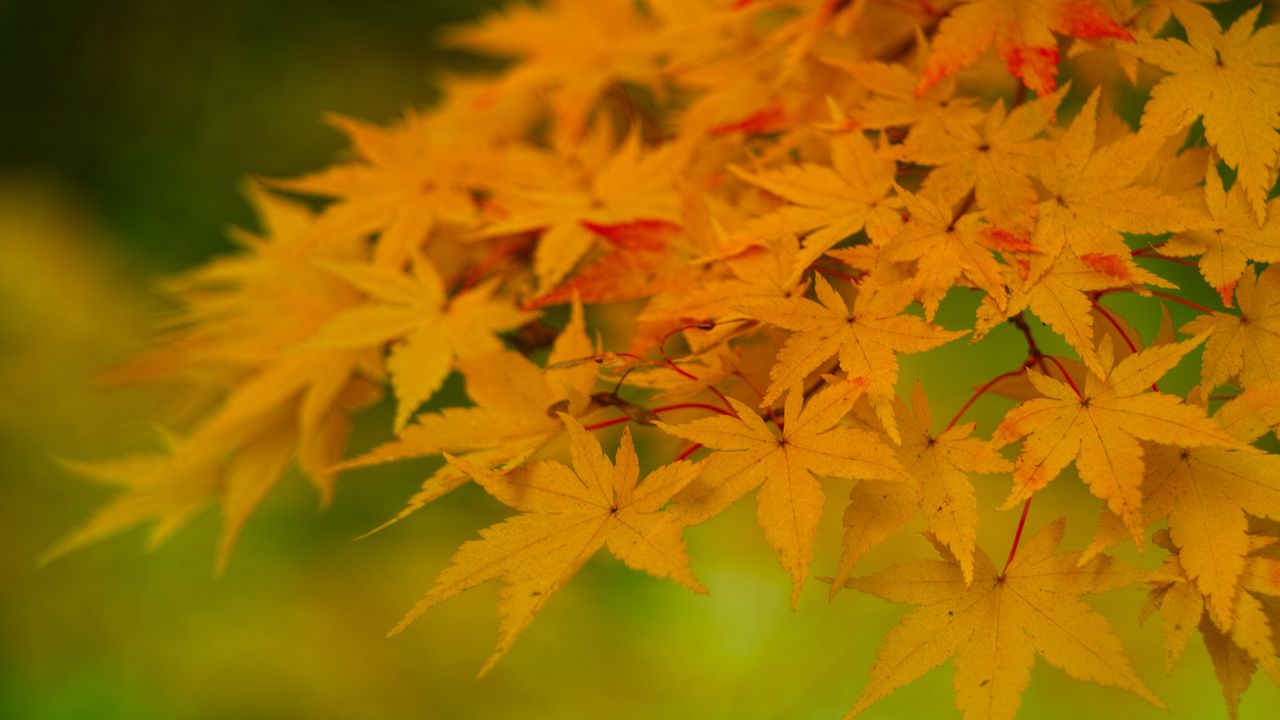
1023, 34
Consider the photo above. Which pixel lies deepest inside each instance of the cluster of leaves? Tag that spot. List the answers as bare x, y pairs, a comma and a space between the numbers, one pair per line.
787, 191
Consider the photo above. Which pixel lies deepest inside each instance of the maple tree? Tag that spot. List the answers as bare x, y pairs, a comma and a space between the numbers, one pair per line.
786, 198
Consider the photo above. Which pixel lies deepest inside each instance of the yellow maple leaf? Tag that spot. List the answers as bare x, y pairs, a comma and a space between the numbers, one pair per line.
867, 339
696, 32
1243, 346
426, 329
758, 272
1205, 492
572, 51
1094, 196
783, 465
996, 161
166, 489
996, 625
1063, 297
561, 197
939, 467
894, 103
567, 515
514, 414
945, 248
246, 320
1099, 426
402, 187
829, 203
1230, 238
1237, 647
1232, 80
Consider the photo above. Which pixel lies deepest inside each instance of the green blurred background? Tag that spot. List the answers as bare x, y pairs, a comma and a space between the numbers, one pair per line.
126, 129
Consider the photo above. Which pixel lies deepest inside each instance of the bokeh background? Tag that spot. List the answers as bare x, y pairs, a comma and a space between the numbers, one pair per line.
126, 130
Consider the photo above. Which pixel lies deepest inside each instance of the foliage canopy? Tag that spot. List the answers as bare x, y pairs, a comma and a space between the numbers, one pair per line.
782, 194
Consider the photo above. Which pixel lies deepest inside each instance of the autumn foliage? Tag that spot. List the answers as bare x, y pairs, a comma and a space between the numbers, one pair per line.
781, 197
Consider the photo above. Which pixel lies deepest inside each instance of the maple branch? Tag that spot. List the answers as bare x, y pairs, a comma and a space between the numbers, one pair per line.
1067, 376
771, 413
1133, 348
688, 451
690, 406
1182, 301
662, 348
1154, 253
965, 204
982, 391
822, 381
1033, 349
637, 358
607, 423
1017, 537
854, 279
1161, 294
1034, 357
668, 365
658, 411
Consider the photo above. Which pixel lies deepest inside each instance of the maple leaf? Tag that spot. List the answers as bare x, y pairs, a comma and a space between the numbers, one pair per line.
1239, 646
564, 198
827, 18
737, 96
1230, 239
574, 50
944, 248
696, 32
245, 320
1153, 15
1023, 34
427, 330
759, 272
996, 162
996, 625
867, 339
1205, 492
402, 186
1099, 427
567, 515
894, 102
832, 203
1243, 346
790, 502
745, 82
234, 459
513, 417
167, 489
939, 467
1063, 297
1094, 196
1232, 81
639, 266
